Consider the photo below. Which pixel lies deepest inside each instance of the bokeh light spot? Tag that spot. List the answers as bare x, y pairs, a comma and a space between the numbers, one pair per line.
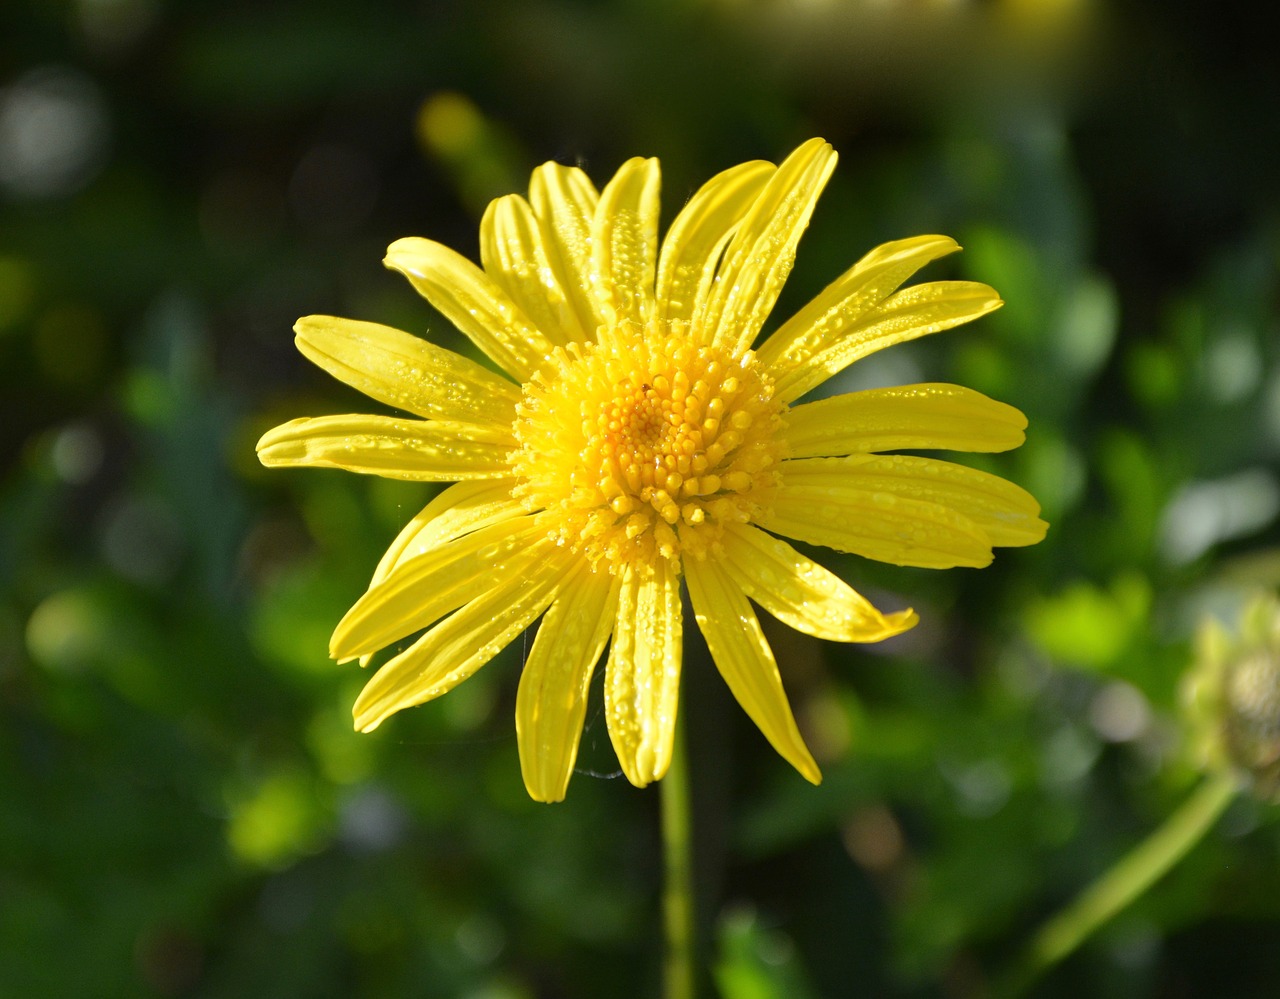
372, 820
76, 454
1233, 365
111, 26
1119, 712
68, 631
1089, 626
874, 838
1201, 514
276, 821
450, 124
141, 540
53, 133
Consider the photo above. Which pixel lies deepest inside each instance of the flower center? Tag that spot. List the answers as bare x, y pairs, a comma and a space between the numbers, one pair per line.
1253, 697
645, 444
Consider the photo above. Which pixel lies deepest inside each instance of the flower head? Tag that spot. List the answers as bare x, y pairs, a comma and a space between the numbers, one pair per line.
1232, 696
636, 439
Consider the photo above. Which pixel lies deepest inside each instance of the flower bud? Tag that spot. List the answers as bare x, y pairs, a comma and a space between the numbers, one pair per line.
1232, 696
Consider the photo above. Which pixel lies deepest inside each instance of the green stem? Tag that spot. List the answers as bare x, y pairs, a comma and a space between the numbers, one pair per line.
1123, 883
677, 901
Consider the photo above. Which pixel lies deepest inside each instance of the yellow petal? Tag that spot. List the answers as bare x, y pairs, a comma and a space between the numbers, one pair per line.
564, 201
418, 450
406, 371
746, 662
513, 253
552, 699
469, 299
693, 245
460, 509
947, 417
905, 315
802, 593
624, 237
759, 257
1007, 514
642, 679
462, 643
422, 589
880, 526
859, 290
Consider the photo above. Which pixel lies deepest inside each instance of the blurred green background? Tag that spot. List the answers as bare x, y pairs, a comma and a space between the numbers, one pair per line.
184, 809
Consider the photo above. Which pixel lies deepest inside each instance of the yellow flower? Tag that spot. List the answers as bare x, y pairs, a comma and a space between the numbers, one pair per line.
635, 439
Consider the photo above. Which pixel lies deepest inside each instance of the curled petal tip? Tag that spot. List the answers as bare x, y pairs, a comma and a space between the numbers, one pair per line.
340, 646
902, 621
400, 253
365, 719
307, 324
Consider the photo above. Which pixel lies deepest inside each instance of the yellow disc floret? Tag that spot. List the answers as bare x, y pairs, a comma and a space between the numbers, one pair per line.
646, 443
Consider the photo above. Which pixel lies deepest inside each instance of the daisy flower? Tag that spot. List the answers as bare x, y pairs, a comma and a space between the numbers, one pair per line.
633, 438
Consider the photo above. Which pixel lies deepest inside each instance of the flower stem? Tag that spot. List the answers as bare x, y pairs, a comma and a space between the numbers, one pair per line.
677, 903
1123, 883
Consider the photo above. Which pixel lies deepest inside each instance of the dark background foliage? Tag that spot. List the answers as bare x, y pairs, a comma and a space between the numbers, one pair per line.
184, 810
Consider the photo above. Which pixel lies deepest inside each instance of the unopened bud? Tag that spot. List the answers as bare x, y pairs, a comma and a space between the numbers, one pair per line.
1232, 696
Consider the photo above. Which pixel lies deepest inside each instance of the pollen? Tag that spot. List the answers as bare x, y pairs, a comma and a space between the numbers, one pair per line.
646, 444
